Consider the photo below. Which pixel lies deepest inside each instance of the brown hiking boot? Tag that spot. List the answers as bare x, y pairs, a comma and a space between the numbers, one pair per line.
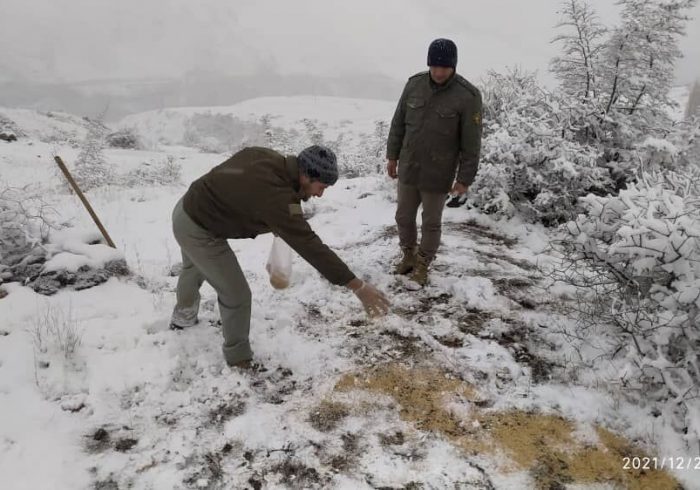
420, 270
248, 365
408, 261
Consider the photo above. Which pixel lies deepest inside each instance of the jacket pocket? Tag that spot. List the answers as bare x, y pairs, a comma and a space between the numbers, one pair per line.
447, 121
415, 107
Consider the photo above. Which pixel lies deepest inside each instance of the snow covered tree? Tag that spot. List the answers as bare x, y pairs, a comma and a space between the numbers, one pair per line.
91, 169
607, 121
641, 54
623, 78
615, 87
582, 44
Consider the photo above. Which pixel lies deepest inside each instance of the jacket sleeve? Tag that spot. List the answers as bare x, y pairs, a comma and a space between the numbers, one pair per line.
284, 217
397, 129
470, 140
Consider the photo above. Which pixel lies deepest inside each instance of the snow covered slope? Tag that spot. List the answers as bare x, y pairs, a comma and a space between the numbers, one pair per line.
466, 384
43, 126
303, 118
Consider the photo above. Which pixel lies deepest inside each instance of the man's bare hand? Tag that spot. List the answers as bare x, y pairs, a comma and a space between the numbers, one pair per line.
375, 302
392, 168
459, 189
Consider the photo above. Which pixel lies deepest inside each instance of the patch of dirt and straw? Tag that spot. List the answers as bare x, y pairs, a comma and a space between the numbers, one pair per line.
543, 444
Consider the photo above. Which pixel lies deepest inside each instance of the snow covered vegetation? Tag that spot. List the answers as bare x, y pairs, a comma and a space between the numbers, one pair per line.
557, 345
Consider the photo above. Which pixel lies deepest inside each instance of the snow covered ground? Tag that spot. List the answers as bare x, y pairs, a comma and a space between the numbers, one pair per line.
466, 384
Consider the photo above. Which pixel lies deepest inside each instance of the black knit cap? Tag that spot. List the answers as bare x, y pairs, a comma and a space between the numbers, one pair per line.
442, 52
319, 163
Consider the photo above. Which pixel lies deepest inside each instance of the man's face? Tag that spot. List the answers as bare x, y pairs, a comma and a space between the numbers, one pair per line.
311, 188
441, 74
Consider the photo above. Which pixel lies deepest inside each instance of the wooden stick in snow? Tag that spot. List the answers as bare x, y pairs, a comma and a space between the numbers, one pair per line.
82, 197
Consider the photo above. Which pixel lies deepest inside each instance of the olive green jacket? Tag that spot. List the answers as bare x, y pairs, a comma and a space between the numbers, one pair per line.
257, 191
436, 133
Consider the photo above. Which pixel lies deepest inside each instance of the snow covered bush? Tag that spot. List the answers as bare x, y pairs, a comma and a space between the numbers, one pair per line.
222, 133
362, 155
166, 171
278, 138
359, 154
314, 134
56, 331
354, 163
635, 259
24, 220
91, 169
125, 138
9, 127
527, 165
677, 150
14, 230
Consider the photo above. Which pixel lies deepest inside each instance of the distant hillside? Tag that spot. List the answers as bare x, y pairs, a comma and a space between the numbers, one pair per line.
123, 97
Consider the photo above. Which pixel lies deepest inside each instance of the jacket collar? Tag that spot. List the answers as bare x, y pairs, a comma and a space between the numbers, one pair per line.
292, 166
438, 88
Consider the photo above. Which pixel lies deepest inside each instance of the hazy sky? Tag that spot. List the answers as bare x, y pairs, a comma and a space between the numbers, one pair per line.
74, 40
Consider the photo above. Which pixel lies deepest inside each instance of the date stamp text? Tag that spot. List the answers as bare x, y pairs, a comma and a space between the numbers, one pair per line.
661, 463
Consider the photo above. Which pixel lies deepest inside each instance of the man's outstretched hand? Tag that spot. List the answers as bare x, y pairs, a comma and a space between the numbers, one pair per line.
374, 301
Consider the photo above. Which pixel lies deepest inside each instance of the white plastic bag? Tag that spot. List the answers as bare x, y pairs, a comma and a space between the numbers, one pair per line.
279, 264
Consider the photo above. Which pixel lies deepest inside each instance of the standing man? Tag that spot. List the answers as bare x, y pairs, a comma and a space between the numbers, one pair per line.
255, 191
435, 134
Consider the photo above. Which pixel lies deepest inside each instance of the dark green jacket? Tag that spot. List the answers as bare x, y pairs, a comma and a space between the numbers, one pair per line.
257, 191
436, 133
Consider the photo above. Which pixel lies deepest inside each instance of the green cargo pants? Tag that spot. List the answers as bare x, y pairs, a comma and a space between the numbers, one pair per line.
206, 257
409, 199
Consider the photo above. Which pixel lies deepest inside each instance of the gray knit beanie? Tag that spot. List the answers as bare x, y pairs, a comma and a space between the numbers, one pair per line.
319, 163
